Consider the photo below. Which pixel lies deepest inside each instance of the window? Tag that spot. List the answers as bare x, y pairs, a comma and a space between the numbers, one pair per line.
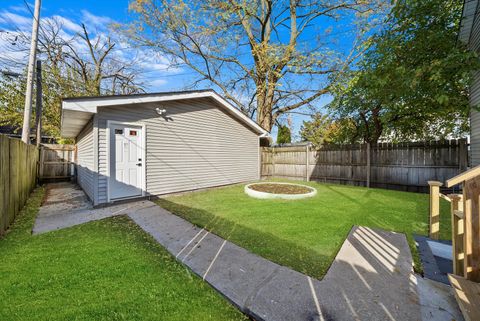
133, 133
118, 131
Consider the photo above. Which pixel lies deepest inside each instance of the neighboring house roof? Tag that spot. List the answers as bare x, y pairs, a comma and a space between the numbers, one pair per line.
470, 13
10, 130
76, 112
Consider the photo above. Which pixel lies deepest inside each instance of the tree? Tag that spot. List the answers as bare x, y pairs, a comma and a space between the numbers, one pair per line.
283, 135
322, 129
255, 51
68, 70
12, 101
87, 60
412, 83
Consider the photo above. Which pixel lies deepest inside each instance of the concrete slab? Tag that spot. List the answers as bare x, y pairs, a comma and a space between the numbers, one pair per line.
230, 269
437, 301
236, 273
63, 197
66, 205
370, 279
287, 295
169, 230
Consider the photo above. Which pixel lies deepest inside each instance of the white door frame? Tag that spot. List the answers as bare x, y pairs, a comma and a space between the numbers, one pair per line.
144, 145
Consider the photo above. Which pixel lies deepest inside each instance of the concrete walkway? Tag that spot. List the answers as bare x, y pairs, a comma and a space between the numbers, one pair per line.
371, 277
66, 205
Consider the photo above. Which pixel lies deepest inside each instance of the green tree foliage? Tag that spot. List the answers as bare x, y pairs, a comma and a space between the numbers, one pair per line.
283, 135
54, 88
412, 83
322, 129
12, 101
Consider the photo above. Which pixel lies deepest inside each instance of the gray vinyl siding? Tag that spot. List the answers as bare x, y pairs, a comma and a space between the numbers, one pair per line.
475, 121
474, 37
197, 145
469, 9
474, 44
85, 160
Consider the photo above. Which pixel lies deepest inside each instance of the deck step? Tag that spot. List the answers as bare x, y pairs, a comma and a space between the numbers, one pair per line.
467, 294
458, 213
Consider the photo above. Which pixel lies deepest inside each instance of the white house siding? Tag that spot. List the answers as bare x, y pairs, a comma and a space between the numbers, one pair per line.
85, 159
197, 145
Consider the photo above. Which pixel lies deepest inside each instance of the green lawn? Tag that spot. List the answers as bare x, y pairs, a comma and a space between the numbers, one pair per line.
305, 234
105, 270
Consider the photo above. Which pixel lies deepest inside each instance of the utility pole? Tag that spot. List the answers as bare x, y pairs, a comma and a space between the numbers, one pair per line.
38, 101
30, 71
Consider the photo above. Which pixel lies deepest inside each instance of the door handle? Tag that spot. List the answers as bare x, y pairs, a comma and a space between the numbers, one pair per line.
139, 164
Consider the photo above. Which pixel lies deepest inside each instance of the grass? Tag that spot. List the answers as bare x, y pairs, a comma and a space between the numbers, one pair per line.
306, 234
104, 270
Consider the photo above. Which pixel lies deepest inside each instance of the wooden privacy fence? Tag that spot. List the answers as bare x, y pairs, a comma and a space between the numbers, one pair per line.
56, 161
18, 176
403, 166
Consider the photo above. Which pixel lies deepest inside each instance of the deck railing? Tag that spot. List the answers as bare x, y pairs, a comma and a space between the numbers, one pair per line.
465, 220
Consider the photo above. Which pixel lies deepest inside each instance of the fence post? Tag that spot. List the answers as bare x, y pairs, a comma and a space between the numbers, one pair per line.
456, 207
273, 162
368, 165
307, 162
40, 162
434, 209
462, 154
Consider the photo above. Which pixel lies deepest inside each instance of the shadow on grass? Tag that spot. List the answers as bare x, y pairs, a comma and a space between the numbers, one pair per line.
264, 244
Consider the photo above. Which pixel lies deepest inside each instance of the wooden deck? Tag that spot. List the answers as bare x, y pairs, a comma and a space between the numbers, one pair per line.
467, 294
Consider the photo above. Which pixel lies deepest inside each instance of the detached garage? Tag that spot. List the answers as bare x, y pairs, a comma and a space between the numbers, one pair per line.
131, 146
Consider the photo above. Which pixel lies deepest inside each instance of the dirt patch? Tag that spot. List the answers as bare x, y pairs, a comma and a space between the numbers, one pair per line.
280, 188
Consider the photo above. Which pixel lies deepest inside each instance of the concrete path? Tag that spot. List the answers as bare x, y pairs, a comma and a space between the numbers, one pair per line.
371, 277
66, 205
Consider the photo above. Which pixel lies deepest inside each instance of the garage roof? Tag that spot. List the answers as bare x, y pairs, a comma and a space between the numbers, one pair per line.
76, 112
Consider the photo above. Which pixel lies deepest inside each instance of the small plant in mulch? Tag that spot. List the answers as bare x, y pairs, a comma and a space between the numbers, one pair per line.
280, 188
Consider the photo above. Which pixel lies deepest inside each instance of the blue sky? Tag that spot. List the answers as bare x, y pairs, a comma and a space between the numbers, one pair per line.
99, 13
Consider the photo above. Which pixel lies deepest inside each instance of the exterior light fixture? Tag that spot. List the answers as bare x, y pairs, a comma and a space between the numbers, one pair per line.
160, 111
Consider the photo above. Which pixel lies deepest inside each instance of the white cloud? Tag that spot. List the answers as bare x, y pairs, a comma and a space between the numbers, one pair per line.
21, 9
152, 61
68, 24
15, 20
101, 22
156, 84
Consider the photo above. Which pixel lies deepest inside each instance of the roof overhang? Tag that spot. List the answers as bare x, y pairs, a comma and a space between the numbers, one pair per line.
76, 112
470, 11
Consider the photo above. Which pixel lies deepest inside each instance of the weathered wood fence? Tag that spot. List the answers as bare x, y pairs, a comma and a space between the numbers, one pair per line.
403, 166
18, 176
56, 161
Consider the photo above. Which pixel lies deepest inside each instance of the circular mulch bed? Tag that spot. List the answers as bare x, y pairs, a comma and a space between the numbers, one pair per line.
281, 188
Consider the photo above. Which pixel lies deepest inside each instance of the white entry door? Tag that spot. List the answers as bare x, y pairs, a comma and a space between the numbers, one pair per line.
126, 161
